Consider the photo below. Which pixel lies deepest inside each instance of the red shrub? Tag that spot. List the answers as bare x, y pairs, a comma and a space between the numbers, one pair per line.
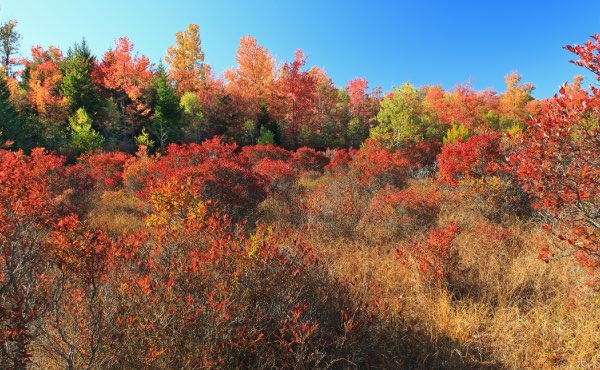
436, 258
340, 162
394, 213
280, 175
374, 165
106, 169
479, 156
559, 163
422, 155
211, 170
260, 301
309, 160
258, 152
31, 197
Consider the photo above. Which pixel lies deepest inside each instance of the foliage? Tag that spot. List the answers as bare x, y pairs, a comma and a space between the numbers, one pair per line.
83, 137
559, 164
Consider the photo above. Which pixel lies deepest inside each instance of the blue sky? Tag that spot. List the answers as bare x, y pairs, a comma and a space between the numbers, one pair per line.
387, 42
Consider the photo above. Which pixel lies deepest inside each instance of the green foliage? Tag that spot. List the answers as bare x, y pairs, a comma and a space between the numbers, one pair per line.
144, 139
77, 84
83, 137
9, 45
401, 118
195, 125
249, 132
10, 124
265, 137
357, 132
455, 133
167, 123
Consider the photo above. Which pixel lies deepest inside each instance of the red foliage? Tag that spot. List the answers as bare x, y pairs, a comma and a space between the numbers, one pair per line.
340, 162
375, 165
279, 174
214, 171
394, 213
559, 162
479, 156
106, 169
31, 197
435, 257
423, 154
309, 160
256, 153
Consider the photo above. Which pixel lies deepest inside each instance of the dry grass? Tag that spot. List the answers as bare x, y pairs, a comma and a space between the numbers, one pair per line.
118, 211
509, 309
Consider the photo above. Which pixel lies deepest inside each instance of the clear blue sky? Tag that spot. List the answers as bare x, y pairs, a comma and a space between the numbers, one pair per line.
388, 42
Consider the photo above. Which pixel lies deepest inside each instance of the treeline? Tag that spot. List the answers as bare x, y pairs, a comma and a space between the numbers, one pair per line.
74, 101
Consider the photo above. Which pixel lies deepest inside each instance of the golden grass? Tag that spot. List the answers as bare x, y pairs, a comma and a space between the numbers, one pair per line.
515, 311
118, 211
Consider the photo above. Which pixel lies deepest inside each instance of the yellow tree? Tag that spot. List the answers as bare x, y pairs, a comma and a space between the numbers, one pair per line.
254, 77
186, 60
513, 103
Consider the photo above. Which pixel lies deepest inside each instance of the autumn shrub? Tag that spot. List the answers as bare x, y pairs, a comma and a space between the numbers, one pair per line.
280, 176
393, 213
335, 208
479, 156
437, 258
256, 153
32, 195
340, 161
80, 304
201, 294
422, 157
213, 171
309, 160
106, 169
559, 166
376, 166
136, 170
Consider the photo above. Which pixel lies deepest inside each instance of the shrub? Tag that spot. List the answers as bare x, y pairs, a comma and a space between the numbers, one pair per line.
32, 192
559, 164
211, 170
309, 160
256, 153
479, 156
106, 169
375, 166
395, 213
436, 257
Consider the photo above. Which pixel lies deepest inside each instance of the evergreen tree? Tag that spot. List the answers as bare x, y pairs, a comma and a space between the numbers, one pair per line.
10, 124
83, 137
77, 84
167, 123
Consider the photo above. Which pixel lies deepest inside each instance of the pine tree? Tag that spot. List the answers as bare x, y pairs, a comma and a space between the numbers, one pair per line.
167, 122
77, 84
10, 124
83, 137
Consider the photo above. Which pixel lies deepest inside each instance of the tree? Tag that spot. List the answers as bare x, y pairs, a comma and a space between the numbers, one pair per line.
186, 60
400, 118
297, 87
9, 44
513, 103
77, 83
166, 123
10, 124
83, 137
125, 75
254, 77
43, 78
